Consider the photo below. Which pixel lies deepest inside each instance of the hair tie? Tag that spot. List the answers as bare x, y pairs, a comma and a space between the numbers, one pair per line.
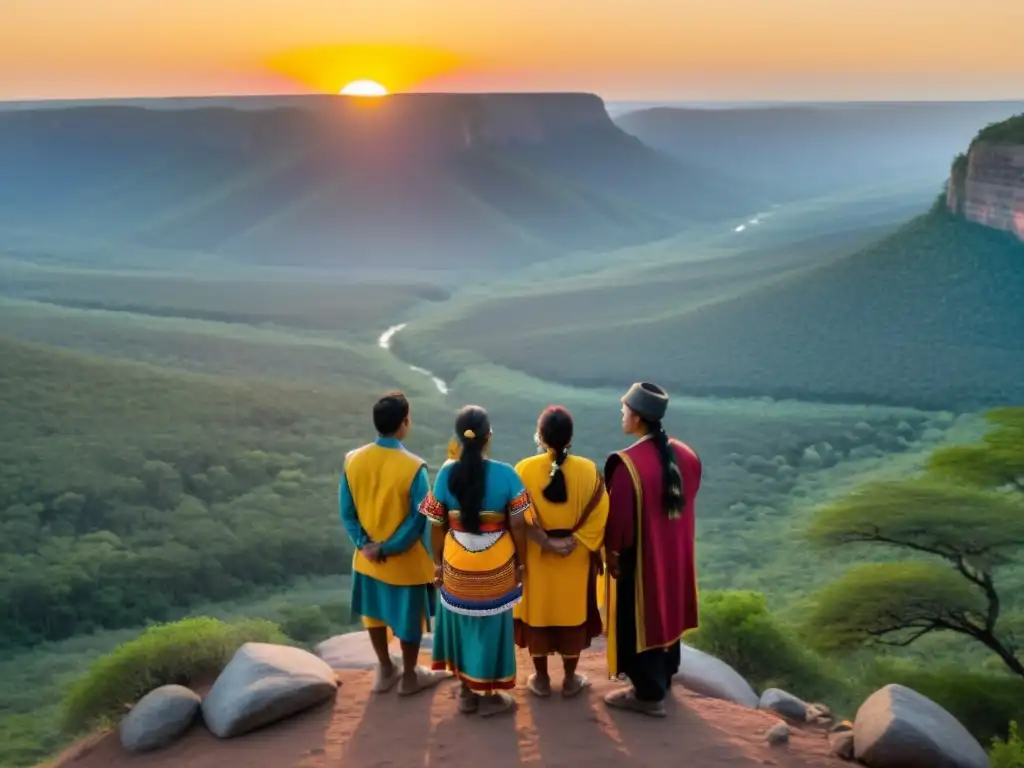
469, 434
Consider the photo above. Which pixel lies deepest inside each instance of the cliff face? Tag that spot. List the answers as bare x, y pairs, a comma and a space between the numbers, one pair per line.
987, 186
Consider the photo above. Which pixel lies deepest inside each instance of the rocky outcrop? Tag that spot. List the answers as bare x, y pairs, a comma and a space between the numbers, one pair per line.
986, 185
704, 674
159, 718
264, 683
897, 727
991, 190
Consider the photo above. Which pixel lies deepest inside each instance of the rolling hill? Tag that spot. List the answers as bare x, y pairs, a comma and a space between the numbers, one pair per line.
447, 180
796, 151
929, 316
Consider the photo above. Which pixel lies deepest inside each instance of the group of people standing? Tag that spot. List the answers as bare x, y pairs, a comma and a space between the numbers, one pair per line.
546, 555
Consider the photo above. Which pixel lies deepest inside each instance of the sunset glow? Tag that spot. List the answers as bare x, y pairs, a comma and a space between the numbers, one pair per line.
364, 88
644, 49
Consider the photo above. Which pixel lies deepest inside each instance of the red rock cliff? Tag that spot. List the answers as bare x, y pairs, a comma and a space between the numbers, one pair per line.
987, 186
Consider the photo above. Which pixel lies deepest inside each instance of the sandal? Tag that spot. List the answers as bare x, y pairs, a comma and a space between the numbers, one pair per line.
625, 698
382, 684
581, 683
425, 679
532, 682
497, 704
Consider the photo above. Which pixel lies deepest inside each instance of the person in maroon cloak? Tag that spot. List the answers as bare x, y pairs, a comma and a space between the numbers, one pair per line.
649, 542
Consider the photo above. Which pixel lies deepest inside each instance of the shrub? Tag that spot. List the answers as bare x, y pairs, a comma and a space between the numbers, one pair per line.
1009, 753
305, 623
736, 627
179, 653
984, 703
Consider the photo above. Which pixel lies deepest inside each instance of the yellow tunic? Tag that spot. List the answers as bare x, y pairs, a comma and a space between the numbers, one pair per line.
555, 587
379, 479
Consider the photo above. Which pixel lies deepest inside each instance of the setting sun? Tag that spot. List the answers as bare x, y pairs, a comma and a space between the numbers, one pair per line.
364, 88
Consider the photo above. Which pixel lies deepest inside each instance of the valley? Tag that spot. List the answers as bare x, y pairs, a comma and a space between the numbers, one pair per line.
190, 347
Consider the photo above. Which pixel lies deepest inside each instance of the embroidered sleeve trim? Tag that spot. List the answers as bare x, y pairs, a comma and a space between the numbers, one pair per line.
520, 503
433, 509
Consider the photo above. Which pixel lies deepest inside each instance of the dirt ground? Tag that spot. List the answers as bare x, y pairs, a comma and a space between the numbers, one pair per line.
362, 729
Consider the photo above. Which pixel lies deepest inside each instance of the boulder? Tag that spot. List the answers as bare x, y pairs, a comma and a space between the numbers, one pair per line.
704, 674
159, 718
264, 683
897, 727
785, 704
352, 650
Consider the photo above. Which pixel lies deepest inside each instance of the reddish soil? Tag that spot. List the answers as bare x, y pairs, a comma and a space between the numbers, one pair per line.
360, 729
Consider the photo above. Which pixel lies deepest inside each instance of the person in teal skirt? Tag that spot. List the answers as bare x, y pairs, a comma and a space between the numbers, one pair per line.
479, 546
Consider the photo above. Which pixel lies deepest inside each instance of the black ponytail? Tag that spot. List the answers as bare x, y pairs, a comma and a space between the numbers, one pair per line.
672, 479
555, 430
466, 478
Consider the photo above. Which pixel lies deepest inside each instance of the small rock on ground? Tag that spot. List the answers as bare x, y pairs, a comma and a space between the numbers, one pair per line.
778, 734
159, 718
785, 704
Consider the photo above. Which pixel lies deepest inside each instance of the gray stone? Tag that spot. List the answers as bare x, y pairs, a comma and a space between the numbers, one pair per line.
704, 674
897, 727
264, 683
352, 650
159, 718
785, 704
778, 734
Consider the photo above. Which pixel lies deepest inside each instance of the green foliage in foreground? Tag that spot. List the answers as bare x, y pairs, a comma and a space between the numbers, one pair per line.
736, 627
1008, 753
875, 602
179, 653
968, 532
997, 462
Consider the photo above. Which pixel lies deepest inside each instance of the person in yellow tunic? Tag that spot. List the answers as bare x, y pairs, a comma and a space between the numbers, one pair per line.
381, 487
565, 530
476, 513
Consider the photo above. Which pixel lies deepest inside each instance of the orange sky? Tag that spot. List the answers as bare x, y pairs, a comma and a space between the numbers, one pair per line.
640, 49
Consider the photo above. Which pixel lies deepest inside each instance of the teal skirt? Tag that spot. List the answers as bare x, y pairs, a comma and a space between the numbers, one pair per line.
479, 650
406, 610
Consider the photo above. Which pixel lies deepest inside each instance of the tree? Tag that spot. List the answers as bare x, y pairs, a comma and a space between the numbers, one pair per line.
997, 462
973, 531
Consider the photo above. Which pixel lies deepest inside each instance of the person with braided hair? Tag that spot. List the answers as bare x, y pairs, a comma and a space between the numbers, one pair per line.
650, 594
565, 531
478, 541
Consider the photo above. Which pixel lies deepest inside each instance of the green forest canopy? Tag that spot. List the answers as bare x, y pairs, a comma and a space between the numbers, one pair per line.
128, 490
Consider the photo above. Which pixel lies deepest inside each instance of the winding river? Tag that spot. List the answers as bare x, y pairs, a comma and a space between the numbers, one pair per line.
384, 340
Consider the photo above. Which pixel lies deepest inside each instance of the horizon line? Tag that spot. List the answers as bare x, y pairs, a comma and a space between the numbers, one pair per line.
606, 100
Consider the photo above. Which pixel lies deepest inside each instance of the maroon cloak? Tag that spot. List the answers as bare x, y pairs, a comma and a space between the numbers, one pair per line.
666, 573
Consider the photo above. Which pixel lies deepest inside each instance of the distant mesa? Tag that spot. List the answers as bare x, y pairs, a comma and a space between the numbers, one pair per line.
795, 151
454, 178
